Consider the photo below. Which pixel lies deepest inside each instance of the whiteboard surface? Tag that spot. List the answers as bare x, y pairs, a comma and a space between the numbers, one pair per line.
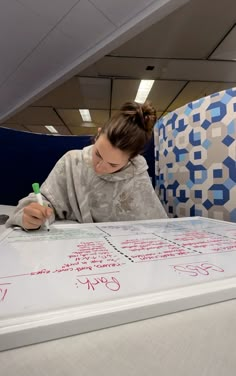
82, 277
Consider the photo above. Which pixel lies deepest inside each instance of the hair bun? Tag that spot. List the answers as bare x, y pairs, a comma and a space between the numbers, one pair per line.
148, 115
144, 115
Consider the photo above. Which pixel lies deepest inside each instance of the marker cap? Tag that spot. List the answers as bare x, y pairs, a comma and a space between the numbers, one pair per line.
36, 188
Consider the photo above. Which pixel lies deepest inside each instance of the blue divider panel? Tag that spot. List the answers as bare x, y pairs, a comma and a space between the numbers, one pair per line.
29, 157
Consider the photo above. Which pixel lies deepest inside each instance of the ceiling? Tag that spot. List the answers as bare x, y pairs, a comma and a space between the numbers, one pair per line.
190, 52
44, 43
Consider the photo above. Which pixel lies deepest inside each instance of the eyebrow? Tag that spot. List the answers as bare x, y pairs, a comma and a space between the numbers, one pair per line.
110, 163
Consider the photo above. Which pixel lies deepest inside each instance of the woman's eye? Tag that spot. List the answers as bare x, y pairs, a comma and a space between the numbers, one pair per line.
98, 155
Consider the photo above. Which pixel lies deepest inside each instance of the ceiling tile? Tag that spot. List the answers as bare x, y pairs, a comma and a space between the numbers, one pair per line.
66, 95
73, 118
42, 65
50, 10
18, 42
70, 117
164, 92
227, 48
18, 127
79, 92
123, 91
36, 115
62, 130
95, 92
121, 11
199, 70
192, 31
196, 90
125, 67
87, 34
82, 131
100, 117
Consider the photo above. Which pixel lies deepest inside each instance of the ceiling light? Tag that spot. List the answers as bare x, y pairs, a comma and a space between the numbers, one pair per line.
51, 128
143, 90
85, 114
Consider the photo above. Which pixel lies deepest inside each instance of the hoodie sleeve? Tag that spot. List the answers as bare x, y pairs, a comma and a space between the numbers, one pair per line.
53, 192
16, 218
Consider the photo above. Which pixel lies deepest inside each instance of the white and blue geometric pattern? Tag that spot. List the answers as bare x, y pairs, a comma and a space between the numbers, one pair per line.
195, 150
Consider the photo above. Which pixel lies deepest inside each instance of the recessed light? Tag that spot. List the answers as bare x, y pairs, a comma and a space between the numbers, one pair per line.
51, 129
85, 114
143, 90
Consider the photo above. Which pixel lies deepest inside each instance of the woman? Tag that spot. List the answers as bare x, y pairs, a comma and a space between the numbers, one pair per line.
104, 182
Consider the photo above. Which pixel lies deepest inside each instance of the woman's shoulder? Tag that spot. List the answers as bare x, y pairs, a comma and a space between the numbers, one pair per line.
77, 153
140, 164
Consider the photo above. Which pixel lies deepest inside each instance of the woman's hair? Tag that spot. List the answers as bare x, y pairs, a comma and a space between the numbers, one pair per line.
131, 127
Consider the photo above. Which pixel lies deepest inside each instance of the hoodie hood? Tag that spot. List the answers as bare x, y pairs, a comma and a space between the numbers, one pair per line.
135, 167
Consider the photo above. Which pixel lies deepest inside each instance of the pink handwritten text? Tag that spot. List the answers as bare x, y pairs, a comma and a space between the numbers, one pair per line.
110, 283
3, 291
196, 269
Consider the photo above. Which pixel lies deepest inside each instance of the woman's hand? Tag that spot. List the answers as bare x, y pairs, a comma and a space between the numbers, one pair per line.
34, 215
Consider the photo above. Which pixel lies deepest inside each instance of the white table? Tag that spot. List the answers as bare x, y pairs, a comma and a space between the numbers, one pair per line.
197, 342
8, 210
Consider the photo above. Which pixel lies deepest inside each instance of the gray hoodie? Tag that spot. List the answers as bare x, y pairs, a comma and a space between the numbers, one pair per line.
76, 192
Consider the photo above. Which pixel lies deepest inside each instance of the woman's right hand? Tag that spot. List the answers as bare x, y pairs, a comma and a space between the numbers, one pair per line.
34, 215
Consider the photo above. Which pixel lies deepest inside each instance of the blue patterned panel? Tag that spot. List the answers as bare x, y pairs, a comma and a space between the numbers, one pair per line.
195, 150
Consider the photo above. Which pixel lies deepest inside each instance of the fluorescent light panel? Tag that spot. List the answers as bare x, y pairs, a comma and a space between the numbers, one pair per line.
85, 114
51, 128
143, 90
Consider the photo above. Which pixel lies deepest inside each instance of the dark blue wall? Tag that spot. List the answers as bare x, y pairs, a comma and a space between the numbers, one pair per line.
29, 157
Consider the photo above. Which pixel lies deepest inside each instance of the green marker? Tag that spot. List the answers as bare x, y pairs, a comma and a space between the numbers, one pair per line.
40, 200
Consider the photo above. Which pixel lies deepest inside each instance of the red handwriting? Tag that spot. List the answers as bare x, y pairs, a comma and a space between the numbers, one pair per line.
196, 269
89, 255
62, 270
135, 245
92, 255
42, 271
110, 283
3, 291
152, 249
192, 235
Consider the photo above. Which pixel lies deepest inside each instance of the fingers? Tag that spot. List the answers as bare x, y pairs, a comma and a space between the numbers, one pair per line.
36, 210
34, 215
31, 223
49, 212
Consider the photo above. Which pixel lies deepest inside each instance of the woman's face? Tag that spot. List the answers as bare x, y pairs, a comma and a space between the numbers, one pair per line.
106, 158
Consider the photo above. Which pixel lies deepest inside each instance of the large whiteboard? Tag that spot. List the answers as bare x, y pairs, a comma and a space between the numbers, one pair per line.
78, 278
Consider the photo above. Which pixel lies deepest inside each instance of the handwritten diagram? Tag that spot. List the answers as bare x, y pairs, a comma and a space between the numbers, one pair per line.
76, 266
